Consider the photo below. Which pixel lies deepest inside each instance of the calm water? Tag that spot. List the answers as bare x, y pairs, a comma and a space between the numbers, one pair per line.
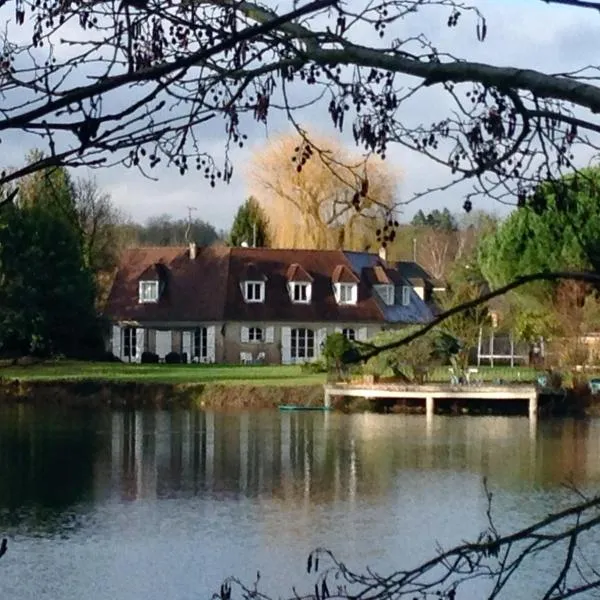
164, 505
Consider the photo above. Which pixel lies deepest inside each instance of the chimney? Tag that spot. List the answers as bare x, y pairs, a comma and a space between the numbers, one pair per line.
192, 250
383, 252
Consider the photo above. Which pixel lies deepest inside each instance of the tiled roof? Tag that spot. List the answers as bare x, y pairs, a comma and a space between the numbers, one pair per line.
253, 273
343, 274
195, 289
208, 288
415, 272
297, 272
319, 265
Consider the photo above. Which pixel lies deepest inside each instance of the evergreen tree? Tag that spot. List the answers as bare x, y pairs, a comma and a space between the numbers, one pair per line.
46, 291
250, 225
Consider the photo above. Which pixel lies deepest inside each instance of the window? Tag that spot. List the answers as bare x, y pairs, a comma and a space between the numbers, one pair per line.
303, 344
129, 342
254, 291
148, 291
200, 346
345, 293
300, 292
255, 334
349, 334
405, 295
386, 293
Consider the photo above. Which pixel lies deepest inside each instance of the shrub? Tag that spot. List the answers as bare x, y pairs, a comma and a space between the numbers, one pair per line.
149, 357
173, 358
337, 351
411, 361
314, 366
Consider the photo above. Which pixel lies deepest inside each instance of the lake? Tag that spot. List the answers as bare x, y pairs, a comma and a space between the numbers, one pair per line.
163, 505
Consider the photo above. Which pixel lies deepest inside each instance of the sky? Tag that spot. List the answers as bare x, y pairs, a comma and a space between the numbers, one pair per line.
527, 33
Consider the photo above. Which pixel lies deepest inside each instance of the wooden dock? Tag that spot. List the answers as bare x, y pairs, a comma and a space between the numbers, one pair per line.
430, 393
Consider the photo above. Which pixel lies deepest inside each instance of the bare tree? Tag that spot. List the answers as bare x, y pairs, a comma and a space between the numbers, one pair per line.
137, 82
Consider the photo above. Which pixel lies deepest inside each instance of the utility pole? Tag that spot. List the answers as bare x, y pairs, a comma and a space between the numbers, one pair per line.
414, 250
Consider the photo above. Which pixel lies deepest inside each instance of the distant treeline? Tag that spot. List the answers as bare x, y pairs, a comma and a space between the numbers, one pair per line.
166, 231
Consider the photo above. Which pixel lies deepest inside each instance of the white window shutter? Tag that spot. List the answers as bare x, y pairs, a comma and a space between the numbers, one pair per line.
361, 334
186, 344
139, 344
321, 337
210, 343
245, 334
309, 293
270, 335
286, 345
116, 341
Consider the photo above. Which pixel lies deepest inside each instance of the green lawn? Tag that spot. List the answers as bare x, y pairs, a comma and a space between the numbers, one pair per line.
162, 373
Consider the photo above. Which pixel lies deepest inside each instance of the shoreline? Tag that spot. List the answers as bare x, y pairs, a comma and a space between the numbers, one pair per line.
133, 395
97, 393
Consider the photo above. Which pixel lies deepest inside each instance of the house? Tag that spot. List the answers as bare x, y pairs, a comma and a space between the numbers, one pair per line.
426, 286
232, 305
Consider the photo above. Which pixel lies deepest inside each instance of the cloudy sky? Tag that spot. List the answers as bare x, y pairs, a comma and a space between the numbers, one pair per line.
527, 33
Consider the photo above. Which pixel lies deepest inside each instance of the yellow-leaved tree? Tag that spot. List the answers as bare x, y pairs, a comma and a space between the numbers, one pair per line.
321, 195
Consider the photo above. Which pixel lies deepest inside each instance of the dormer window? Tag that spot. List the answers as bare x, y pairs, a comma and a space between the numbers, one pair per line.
300, 292
148, 291
386, 293
254, 291
345, 293
405, 295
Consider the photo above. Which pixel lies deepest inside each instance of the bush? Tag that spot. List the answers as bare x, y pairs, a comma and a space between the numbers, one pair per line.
411, 362
149, 357
173, 358
337, 351
314, 366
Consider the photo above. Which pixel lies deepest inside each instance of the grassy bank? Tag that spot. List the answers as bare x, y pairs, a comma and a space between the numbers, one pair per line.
50, 371
117, 385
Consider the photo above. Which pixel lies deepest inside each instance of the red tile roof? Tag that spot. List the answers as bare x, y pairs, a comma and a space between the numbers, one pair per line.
343, 274
208, 288
194, 290
319, 265
296, 272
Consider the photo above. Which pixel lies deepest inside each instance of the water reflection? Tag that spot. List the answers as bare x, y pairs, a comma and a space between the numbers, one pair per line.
50, 460
130, 503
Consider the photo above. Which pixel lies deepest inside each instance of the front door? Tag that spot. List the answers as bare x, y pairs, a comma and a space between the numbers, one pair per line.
163, 343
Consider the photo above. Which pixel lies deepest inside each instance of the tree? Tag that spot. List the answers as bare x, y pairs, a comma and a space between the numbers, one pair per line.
559, 230
467, 284
510, 124
442, 220
311, 198
163, 230
98, 220
410, 363
46, 291
250, 225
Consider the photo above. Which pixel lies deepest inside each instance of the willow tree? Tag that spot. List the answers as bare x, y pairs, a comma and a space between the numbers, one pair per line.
328, 197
